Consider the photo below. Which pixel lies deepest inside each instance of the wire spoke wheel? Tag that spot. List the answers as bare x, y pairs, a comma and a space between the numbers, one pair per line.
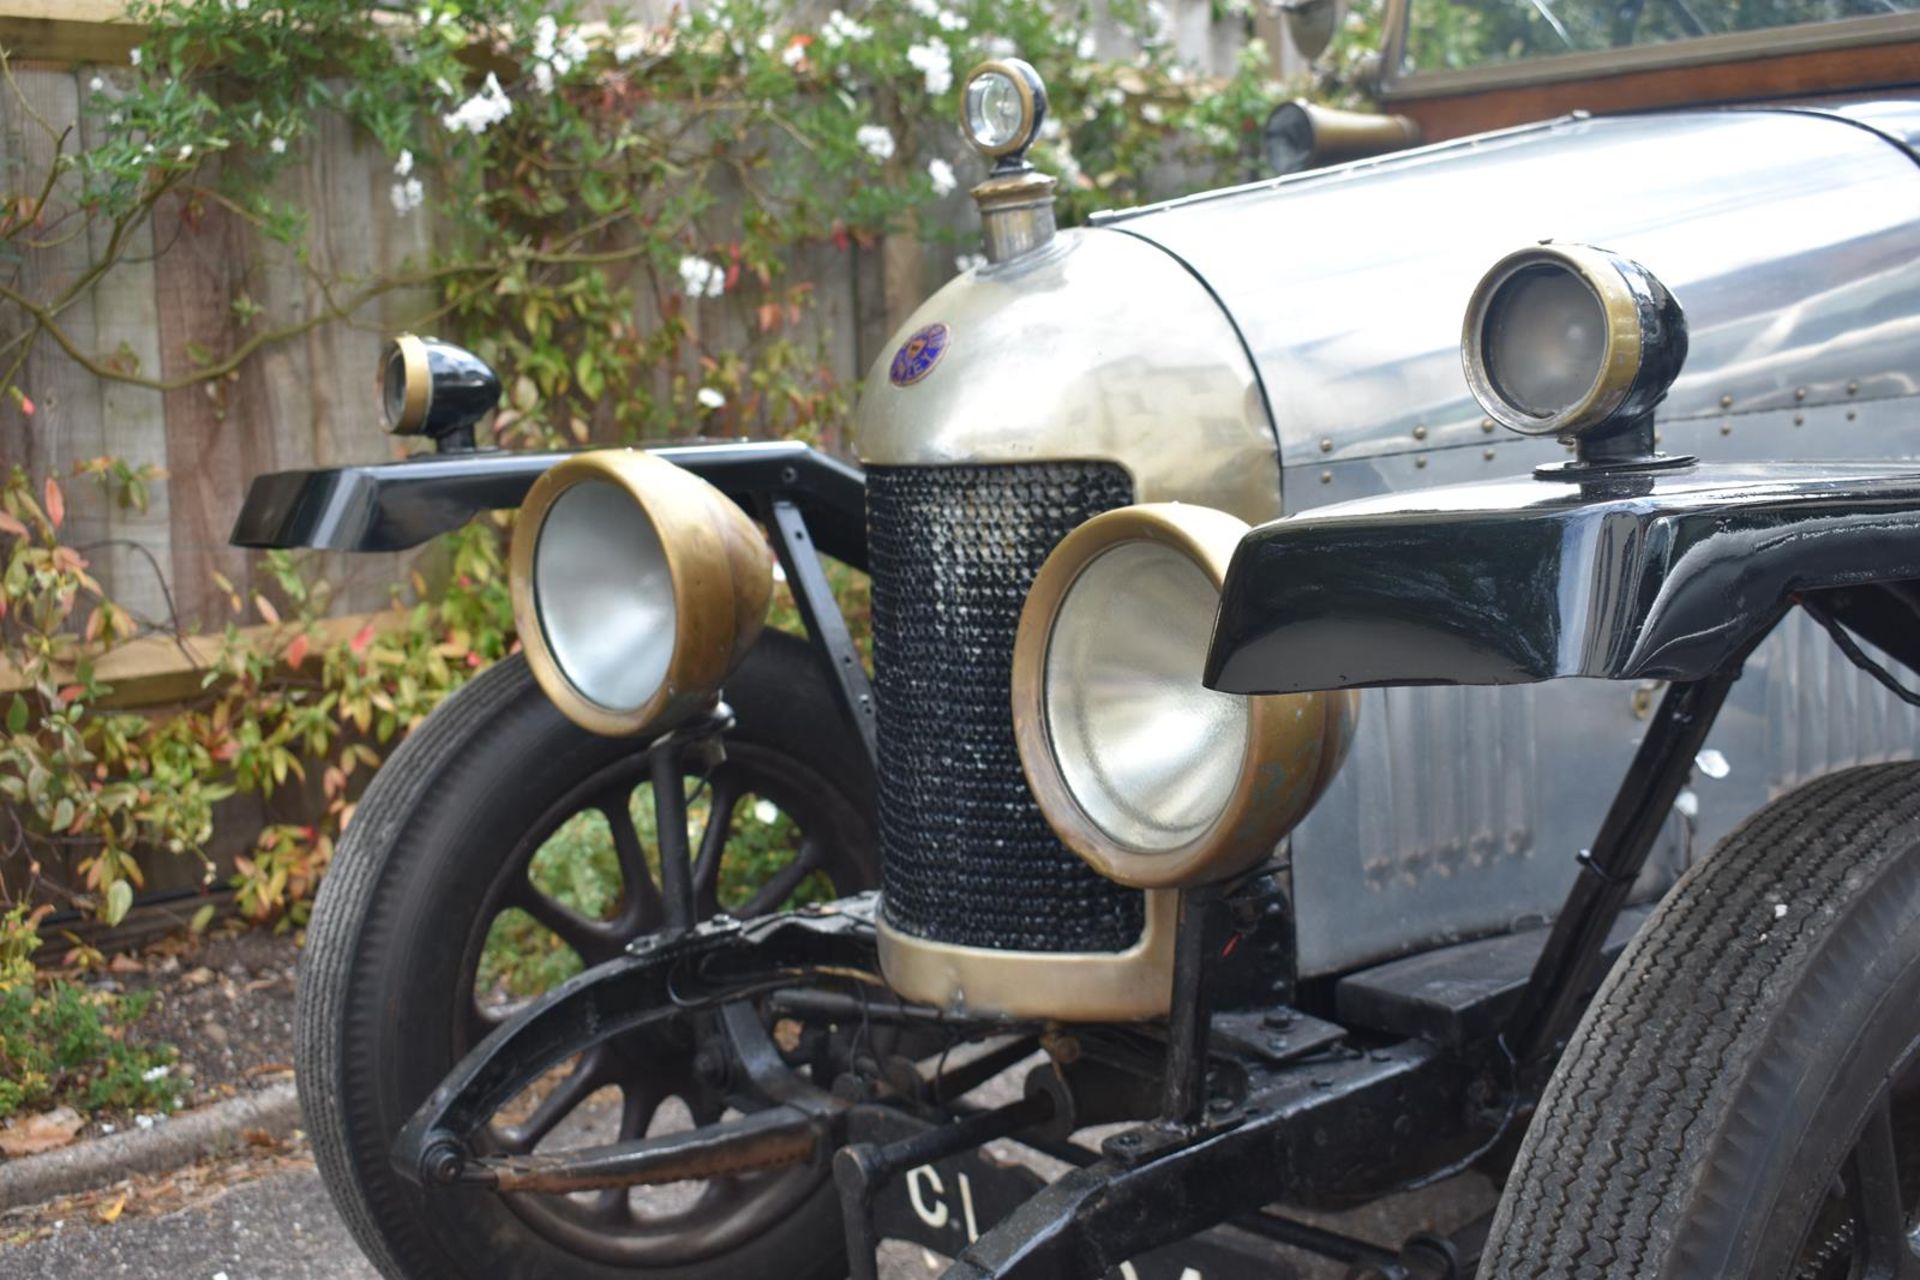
1866, 1227
582, 884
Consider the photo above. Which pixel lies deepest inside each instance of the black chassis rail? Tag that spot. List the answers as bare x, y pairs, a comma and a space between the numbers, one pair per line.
1667, 575
390, 506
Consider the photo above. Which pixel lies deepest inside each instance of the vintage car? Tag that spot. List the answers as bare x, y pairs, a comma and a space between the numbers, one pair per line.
1324, 633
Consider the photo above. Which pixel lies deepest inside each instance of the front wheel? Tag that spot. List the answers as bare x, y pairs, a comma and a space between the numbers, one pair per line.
1743, 1095
500, 849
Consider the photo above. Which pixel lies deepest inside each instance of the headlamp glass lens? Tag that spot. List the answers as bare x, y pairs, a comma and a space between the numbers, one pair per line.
1149, 754
1545, 340
995, 110
393, 386
604, 595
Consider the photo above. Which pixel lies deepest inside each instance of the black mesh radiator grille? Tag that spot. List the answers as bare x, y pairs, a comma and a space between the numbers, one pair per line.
966, 857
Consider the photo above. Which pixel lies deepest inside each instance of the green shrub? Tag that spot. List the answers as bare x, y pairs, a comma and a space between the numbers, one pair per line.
62, 1044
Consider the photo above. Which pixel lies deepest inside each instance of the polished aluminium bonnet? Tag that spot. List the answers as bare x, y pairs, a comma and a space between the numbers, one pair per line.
1793, 240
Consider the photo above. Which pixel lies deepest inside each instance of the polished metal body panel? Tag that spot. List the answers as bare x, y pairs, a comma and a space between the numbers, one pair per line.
1099, 346
1792, 241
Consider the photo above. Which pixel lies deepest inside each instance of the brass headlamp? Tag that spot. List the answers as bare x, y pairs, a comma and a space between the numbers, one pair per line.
1572, 341
435, 389
1155, 780
637, 588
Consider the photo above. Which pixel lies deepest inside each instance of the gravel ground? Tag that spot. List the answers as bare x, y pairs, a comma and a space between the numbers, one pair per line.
277, 1227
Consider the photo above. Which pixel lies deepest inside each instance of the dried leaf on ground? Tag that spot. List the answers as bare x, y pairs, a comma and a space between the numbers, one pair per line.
47, 1131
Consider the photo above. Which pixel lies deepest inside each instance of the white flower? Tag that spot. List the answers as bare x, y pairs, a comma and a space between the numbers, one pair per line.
482, 111
543, 77
764, 42
1050, 129
629, 50
970, 262
942, 174
794, 54
186, 151
241, 6
1216, 136
767, 811
1152, 113
155, 1073
925, 8
701, 278
133, 55
999, 47
278, 146
573, 48
875, 140
839, 29
950, 21
407, 196
97, 85
1085, 49
934, 61
710, 398
1161, 20
1114, 98
404, 165
545, 33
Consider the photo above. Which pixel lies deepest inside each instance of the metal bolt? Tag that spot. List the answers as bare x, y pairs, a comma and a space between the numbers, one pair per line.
1278, 1044
1279, 1018
1799, 393
1851, 415
1726, 402
1853, 388
1799, 419
1326, 444
1419, 462
1486, 425
1326, 477
789, 475
1420, 432
1726, 428
1219, 1106
1487, 454
442, 1163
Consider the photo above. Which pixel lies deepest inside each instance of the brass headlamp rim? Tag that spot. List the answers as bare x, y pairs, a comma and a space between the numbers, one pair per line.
1621, 357
411, 351
1294, 743
1029, 117
717, 561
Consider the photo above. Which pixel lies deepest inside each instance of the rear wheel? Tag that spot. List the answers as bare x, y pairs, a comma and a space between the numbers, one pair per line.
499, 850
1743, 1096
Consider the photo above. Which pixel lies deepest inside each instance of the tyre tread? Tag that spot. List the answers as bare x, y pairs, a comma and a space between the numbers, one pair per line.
1615, 1158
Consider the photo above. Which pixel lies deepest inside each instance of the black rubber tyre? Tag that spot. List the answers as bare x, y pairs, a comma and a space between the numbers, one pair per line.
1739, 1099
391, 945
